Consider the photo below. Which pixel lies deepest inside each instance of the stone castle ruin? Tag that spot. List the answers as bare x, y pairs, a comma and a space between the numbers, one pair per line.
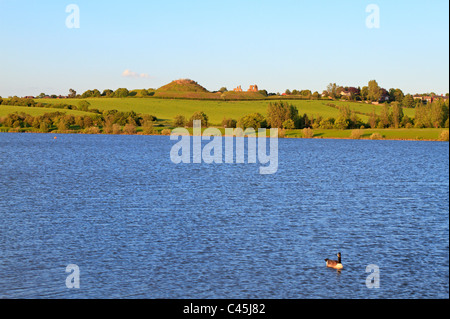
252, 88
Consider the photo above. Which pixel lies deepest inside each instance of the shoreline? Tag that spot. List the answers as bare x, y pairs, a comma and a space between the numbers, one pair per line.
284, 137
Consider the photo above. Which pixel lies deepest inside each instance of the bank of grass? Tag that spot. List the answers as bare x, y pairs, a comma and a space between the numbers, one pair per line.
36, 111
427, 134
431, 134
76, 130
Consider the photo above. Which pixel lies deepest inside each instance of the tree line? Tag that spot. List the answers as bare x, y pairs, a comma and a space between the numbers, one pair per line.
371, 92
119, 93
108, 122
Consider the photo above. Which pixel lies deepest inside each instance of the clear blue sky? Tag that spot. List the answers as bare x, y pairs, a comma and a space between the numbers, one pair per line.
279, 45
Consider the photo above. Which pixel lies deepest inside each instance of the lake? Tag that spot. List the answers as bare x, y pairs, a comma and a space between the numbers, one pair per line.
139, 226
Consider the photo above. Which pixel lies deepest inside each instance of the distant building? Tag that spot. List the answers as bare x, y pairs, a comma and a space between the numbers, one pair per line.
253, 88
429, 98
440, 97
384, 96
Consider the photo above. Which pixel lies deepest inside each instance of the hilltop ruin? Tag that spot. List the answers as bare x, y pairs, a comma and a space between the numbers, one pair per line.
252, 88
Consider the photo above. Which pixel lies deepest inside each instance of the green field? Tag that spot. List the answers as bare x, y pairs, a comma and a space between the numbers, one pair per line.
368, 108
36, 111
167, 109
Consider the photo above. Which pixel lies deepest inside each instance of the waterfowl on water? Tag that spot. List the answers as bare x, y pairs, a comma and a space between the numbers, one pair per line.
336, 264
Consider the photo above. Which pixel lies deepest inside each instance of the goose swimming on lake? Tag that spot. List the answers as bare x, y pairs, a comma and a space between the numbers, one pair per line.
336, 264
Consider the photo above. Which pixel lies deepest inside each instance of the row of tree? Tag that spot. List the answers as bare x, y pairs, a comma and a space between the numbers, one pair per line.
109, 121
85, 106
119, 93
372, 93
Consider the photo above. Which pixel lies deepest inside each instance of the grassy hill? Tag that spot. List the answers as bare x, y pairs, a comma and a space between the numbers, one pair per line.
188, 89
183, 85
185, 89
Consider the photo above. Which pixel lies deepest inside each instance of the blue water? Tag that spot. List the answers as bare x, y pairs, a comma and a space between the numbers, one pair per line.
139, 226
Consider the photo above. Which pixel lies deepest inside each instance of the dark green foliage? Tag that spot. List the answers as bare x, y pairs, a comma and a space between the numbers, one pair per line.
121, 93
84, 106
279, 112
264, 92
67, 122
408, 101
17, 101
254, 120
108, 93
179, 121
434, 115
201, 116
229, 123
91, 93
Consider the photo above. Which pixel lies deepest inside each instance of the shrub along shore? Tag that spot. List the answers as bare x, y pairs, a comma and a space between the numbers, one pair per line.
428, 134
